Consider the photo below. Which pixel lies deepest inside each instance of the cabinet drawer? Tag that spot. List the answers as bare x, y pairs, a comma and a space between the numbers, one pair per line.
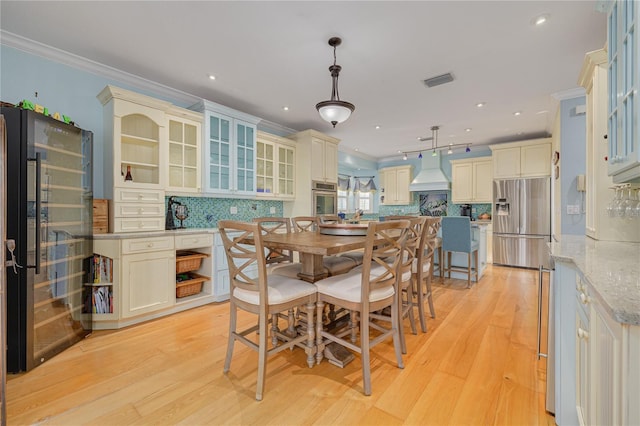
193, 241
138, 195
137, 225
138, 245
138, 210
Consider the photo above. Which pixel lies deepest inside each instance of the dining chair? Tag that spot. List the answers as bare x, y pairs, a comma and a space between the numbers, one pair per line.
364, 291
263, 295
275, 225
408, 298
422, 270
456, 237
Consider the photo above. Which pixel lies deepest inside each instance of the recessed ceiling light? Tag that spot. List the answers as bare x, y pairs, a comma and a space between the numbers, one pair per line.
541, 19
212, 77
517, 113
468, 129
357, 149
286, 108
481, 104
377, 127
399, 152
544, 111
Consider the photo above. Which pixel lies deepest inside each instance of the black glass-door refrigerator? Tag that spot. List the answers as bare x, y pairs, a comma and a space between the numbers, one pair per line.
49, 217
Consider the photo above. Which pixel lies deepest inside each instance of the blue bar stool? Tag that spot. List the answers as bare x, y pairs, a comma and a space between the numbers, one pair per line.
456, 237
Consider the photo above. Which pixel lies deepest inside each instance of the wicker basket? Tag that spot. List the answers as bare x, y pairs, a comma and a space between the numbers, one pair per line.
191, 286
187, 261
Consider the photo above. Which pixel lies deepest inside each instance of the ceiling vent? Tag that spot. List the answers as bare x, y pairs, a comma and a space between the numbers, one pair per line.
438, 80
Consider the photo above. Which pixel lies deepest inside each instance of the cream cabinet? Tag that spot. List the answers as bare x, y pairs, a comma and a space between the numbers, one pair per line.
144, 275
490, 243
229, 150
275, 167
184, 150
395, 184
593, 77
530, 158
135, 159
147, 276
472, 180
316, 160
324, 164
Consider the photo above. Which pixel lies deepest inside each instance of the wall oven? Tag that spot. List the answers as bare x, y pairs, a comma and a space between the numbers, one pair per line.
325, 198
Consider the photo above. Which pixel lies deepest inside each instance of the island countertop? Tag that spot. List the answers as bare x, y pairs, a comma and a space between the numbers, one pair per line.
611, 268
148, 234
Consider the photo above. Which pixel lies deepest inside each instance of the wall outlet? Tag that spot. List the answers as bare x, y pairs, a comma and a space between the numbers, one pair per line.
272, 210
573, 209
234, 210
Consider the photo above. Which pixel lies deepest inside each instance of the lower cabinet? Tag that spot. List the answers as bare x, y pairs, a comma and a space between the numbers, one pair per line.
144, 276
148, 282
597, 372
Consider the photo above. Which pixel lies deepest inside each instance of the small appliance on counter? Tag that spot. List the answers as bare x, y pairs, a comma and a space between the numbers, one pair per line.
181, 212
465, 210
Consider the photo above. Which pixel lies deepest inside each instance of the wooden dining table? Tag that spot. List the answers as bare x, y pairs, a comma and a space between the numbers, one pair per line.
313, 246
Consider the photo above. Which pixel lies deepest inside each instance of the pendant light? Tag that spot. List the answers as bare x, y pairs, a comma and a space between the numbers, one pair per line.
335, 111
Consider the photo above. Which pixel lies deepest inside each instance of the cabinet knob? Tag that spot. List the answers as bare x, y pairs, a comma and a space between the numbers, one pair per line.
140, 210
584, 298
583, 334
149, 245
140, 196
606, 136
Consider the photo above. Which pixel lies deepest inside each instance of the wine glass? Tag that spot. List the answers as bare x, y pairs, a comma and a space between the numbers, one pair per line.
621, 206
182, 212
632, 209
612, 207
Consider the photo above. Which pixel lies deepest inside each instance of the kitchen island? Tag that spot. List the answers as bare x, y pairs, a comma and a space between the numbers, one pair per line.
596, 319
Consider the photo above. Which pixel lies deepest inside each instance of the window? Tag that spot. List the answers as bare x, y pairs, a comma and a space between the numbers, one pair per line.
342, 200
364, 201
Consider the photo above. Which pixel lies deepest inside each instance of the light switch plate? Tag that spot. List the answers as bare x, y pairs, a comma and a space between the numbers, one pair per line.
272, 210
234, 210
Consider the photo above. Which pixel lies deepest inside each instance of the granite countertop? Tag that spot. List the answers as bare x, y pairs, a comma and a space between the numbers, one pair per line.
611, 268
150, 234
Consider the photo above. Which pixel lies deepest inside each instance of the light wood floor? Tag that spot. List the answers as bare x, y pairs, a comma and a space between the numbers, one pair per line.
476, 365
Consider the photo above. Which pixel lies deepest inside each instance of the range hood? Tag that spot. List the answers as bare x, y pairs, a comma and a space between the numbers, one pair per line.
431, 177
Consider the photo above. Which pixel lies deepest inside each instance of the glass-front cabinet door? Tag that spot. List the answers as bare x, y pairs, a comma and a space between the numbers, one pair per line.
184, 154
624, 146
286, 175
265, 166
245, 137
219, 153
275, 167
59, 235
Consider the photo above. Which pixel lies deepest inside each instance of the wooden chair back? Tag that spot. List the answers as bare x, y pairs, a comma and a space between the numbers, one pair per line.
275, 225
329, 218
305, 223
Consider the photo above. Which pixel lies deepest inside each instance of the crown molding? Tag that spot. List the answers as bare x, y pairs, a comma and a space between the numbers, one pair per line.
275, 128
63, 57
569, 94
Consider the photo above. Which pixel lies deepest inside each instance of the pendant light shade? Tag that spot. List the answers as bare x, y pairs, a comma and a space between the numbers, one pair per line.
335, 111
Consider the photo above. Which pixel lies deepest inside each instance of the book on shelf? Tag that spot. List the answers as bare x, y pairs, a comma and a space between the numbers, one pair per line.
99, 269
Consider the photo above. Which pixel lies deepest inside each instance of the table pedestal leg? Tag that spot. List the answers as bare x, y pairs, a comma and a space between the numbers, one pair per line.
312, 268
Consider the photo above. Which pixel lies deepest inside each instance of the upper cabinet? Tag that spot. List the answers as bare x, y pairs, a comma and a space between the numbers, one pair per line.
184, 150
472, 180
275, 167
316, 160
395, 184
623, 56
324, 160
135, 159
530, 158
229, 150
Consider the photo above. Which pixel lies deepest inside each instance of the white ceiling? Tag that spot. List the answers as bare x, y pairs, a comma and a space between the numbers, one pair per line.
268, 54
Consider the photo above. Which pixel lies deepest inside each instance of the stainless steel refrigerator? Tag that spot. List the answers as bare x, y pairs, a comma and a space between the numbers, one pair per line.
49, 212
521, 222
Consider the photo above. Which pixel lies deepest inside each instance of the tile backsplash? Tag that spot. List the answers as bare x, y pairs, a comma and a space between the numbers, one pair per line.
205, 212
414, 207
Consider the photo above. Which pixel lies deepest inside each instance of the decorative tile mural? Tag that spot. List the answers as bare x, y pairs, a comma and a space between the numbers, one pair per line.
205, 212
414, 207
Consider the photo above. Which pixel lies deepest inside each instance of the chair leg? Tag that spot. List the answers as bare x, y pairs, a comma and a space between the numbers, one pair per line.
395, 316
475, 256
412, 318
319, 323
310, 334
469, 268
440, 263
430, 298
233, 313
364, 346
400, 321
449, 263
274, 329
420, 298
262, 357
353, 324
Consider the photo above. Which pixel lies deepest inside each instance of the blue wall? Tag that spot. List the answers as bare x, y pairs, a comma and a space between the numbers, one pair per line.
72, 92
572, 163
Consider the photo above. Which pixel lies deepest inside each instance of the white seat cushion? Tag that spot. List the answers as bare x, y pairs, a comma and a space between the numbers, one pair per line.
425, 266
348, 287
280, 289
